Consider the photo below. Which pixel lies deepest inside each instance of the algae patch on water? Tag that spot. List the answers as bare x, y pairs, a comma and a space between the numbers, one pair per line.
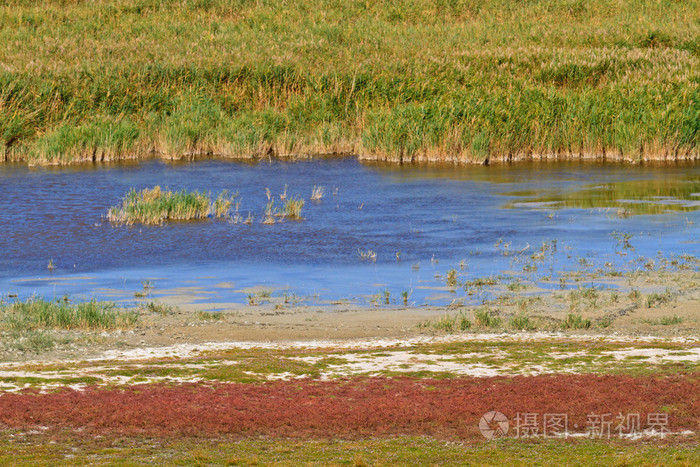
645, 196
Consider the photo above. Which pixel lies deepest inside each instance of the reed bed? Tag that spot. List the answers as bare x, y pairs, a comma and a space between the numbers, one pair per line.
38, 313
406, 80
155, 206
293, 207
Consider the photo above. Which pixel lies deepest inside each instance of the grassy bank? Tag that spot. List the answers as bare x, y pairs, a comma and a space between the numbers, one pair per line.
403, 81
39, 314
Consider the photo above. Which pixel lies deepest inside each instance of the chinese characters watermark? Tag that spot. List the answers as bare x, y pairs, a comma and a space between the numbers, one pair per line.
556, 425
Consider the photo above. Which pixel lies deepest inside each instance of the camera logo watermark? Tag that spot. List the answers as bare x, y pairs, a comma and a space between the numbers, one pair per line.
494, 425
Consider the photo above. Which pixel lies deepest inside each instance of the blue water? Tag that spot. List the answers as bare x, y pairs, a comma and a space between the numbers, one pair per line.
434, 218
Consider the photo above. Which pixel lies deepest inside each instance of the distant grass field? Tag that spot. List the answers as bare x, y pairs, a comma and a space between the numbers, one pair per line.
400, 80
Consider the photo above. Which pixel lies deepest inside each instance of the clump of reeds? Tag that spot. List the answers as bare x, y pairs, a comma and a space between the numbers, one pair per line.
485, 318
451, 278
317, 193
575, 321
222, 204
155, 206
293, 207
367, 255
270, 210
37, 313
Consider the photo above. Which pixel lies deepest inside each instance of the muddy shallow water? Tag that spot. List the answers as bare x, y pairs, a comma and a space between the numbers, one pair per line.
534, 220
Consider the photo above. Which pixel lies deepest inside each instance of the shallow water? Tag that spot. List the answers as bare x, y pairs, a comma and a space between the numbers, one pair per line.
489, 219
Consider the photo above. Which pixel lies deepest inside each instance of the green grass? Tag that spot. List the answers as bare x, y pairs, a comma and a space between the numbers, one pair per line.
293, 207
210, 315
448, 323
486, 319
155, 206
654, 298
398, 450
405, 80
575, 321
39, 314
664, 321
158, 308
522, 322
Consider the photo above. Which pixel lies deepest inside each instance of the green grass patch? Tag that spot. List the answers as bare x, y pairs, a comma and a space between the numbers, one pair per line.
155, 206
655, 298
522, 322
210, 315
158, 308
575, 321
39, 314
396, 450
485, 318
664, 321
449, 323
292, 208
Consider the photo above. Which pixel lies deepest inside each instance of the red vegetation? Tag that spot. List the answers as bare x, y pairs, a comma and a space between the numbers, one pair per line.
351, 407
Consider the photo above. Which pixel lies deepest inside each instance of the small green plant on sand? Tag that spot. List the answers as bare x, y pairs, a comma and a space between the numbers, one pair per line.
210, 315
575, 321
158, 308
485, 318
522, 322
656, 298
664, 321
448, 323
635, 296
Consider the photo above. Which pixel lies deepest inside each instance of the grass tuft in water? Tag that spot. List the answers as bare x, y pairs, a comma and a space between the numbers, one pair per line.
317, 193
367, 255
293, 207
155, 206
